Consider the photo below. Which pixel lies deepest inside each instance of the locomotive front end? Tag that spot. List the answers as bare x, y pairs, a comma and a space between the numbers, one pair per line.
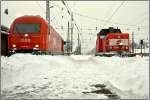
118, 42
113, 42
24, 36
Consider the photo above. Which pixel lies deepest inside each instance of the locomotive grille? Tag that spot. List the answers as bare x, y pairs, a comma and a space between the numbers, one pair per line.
113, 42
25, 40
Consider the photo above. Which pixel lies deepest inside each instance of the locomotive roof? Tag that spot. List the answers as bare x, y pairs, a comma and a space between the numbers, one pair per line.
109, 30
36, 17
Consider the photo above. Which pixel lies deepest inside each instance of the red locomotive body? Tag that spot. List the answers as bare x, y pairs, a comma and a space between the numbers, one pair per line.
111, 41
31, 33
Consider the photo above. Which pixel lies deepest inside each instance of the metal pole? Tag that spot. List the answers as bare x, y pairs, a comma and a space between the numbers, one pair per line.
144, 45
141, 42
47, 12
141, 48
80, 45
78, 51
68, 40
47, 18
135, 48
71, 31
132, 42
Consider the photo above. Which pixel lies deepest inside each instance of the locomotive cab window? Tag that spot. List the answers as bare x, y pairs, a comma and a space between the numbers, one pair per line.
102, 36
103, 33
27, 28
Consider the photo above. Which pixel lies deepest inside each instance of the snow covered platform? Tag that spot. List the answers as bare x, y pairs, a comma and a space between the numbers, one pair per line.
71, 77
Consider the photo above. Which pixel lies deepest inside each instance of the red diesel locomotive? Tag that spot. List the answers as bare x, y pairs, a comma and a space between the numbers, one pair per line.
31, 34
113, 42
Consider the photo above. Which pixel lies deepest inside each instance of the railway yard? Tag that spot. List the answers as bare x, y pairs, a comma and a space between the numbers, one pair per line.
74, 49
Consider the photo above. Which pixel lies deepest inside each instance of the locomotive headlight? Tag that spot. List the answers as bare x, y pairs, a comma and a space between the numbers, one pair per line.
13, 45
26, 35
36, 45
118, 37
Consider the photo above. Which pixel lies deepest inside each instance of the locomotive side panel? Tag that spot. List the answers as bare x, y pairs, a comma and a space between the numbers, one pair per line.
44, 37
98, 43
55, 41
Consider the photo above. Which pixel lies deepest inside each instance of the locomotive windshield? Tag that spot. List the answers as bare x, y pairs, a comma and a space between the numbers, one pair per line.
27, 28
104, 32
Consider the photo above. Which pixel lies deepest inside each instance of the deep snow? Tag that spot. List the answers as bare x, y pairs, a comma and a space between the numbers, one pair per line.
36, 76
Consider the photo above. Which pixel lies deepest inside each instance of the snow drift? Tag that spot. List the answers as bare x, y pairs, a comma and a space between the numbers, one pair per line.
49, 77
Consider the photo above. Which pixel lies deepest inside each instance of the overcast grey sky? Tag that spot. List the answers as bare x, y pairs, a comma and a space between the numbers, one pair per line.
126, 15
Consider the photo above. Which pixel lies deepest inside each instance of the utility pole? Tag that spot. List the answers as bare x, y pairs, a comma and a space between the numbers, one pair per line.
72, 31
72, 19
133, 42
80, 45
144, 45
141, 43
47, 12
68, 40
78, 40
47, 17
78, 50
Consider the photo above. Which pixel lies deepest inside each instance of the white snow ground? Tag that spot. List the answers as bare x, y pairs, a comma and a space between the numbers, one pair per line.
143, 50
50, 77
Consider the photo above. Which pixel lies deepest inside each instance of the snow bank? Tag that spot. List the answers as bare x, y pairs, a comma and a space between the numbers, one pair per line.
129, 74
36, 76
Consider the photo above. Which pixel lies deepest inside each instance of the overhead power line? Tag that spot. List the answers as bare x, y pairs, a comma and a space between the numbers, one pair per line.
98, 19
139, 16
110, 9
114, 12
43, 10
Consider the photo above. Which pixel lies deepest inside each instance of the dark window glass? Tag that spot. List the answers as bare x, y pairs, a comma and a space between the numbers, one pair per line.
106, 31
102, 36
26, 28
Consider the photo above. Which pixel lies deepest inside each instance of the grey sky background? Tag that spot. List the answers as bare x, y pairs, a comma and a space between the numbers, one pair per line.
130, 16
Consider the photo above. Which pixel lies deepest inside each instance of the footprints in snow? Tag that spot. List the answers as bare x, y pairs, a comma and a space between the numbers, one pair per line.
102, 89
